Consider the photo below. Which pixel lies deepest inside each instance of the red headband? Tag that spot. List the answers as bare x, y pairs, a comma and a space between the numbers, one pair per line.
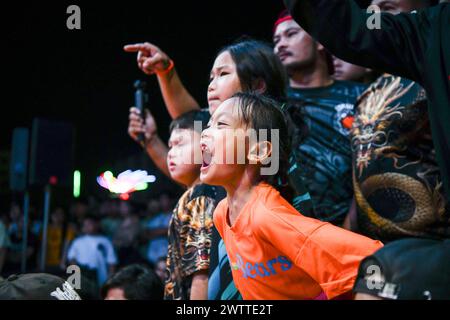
281, 20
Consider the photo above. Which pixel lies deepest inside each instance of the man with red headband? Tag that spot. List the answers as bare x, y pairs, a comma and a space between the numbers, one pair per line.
415, 45
325, 106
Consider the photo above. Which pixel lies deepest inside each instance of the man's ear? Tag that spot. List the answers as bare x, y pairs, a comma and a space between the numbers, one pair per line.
260, 153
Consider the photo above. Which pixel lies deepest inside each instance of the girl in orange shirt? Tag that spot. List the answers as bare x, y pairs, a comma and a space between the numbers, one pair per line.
275, 252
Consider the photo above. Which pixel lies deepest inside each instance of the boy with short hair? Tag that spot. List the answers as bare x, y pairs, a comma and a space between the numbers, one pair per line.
191, 224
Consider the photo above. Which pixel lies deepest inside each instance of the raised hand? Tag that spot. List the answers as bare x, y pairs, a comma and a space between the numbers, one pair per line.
150, 58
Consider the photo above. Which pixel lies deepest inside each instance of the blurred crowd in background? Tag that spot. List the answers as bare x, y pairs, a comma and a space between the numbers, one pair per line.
101, 237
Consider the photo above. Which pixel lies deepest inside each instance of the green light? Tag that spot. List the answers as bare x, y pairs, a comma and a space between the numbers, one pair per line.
76, 184
141, 186
108, 175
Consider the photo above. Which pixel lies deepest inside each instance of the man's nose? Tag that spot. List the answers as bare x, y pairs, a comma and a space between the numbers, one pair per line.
281, 45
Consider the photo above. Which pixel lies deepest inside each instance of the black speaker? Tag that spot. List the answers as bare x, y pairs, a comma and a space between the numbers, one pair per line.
51, 160
18, 167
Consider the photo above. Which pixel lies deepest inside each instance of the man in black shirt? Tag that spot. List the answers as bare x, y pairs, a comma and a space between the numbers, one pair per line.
322, 157
414, 45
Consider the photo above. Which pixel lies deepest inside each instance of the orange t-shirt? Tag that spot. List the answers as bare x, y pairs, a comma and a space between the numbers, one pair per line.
276, 253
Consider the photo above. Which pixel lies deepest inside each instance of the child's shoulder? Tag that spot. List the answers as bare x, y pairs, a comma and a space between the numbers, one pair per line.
200, 200
270, 209
268, 199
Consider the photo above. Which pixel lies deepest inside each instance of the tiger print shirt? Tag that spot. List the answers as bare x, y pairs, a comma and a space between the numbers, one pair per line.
189, 240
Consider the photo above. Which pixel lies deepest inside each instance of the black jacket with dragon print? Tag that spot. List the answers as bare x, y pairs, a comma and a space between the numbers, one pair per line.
397, 182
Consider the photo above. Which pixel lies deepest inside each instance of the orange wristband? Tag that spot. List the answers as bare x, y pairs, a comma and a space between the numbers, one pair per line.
168, 69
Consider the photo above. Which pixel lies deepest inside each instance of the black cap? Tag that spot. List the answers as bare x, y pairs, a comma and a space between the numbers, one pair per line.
408, 269
36, 286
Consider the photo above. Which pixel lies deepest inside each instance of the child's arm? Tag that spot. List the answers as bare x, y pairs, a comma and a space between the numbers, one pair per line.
157, 150
177, 98
199, 286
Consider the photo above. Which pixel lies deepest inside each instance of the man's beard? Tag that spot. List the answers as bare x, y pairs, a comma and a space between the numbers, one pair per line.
301, 66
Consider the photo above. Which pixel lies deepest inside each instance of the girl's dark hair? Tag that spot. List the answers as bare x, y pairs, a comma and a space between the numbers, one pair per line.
261, 112
255, 62
138, 283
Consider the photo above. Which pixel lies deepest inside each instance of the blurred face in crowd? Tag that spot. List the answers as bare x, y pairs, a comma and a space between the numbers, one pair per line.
347, 71
89, 227
398, 6
184, 148
224, 81
295, 48
58, 216
115, 294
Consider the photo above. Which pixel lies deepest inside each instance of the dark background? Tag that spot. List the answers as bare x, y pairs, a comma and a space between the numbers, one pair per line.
84, 77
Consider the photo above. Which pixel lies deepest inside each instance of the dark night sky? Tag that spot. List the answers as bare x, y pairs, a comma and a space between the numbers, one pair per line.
85, 78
